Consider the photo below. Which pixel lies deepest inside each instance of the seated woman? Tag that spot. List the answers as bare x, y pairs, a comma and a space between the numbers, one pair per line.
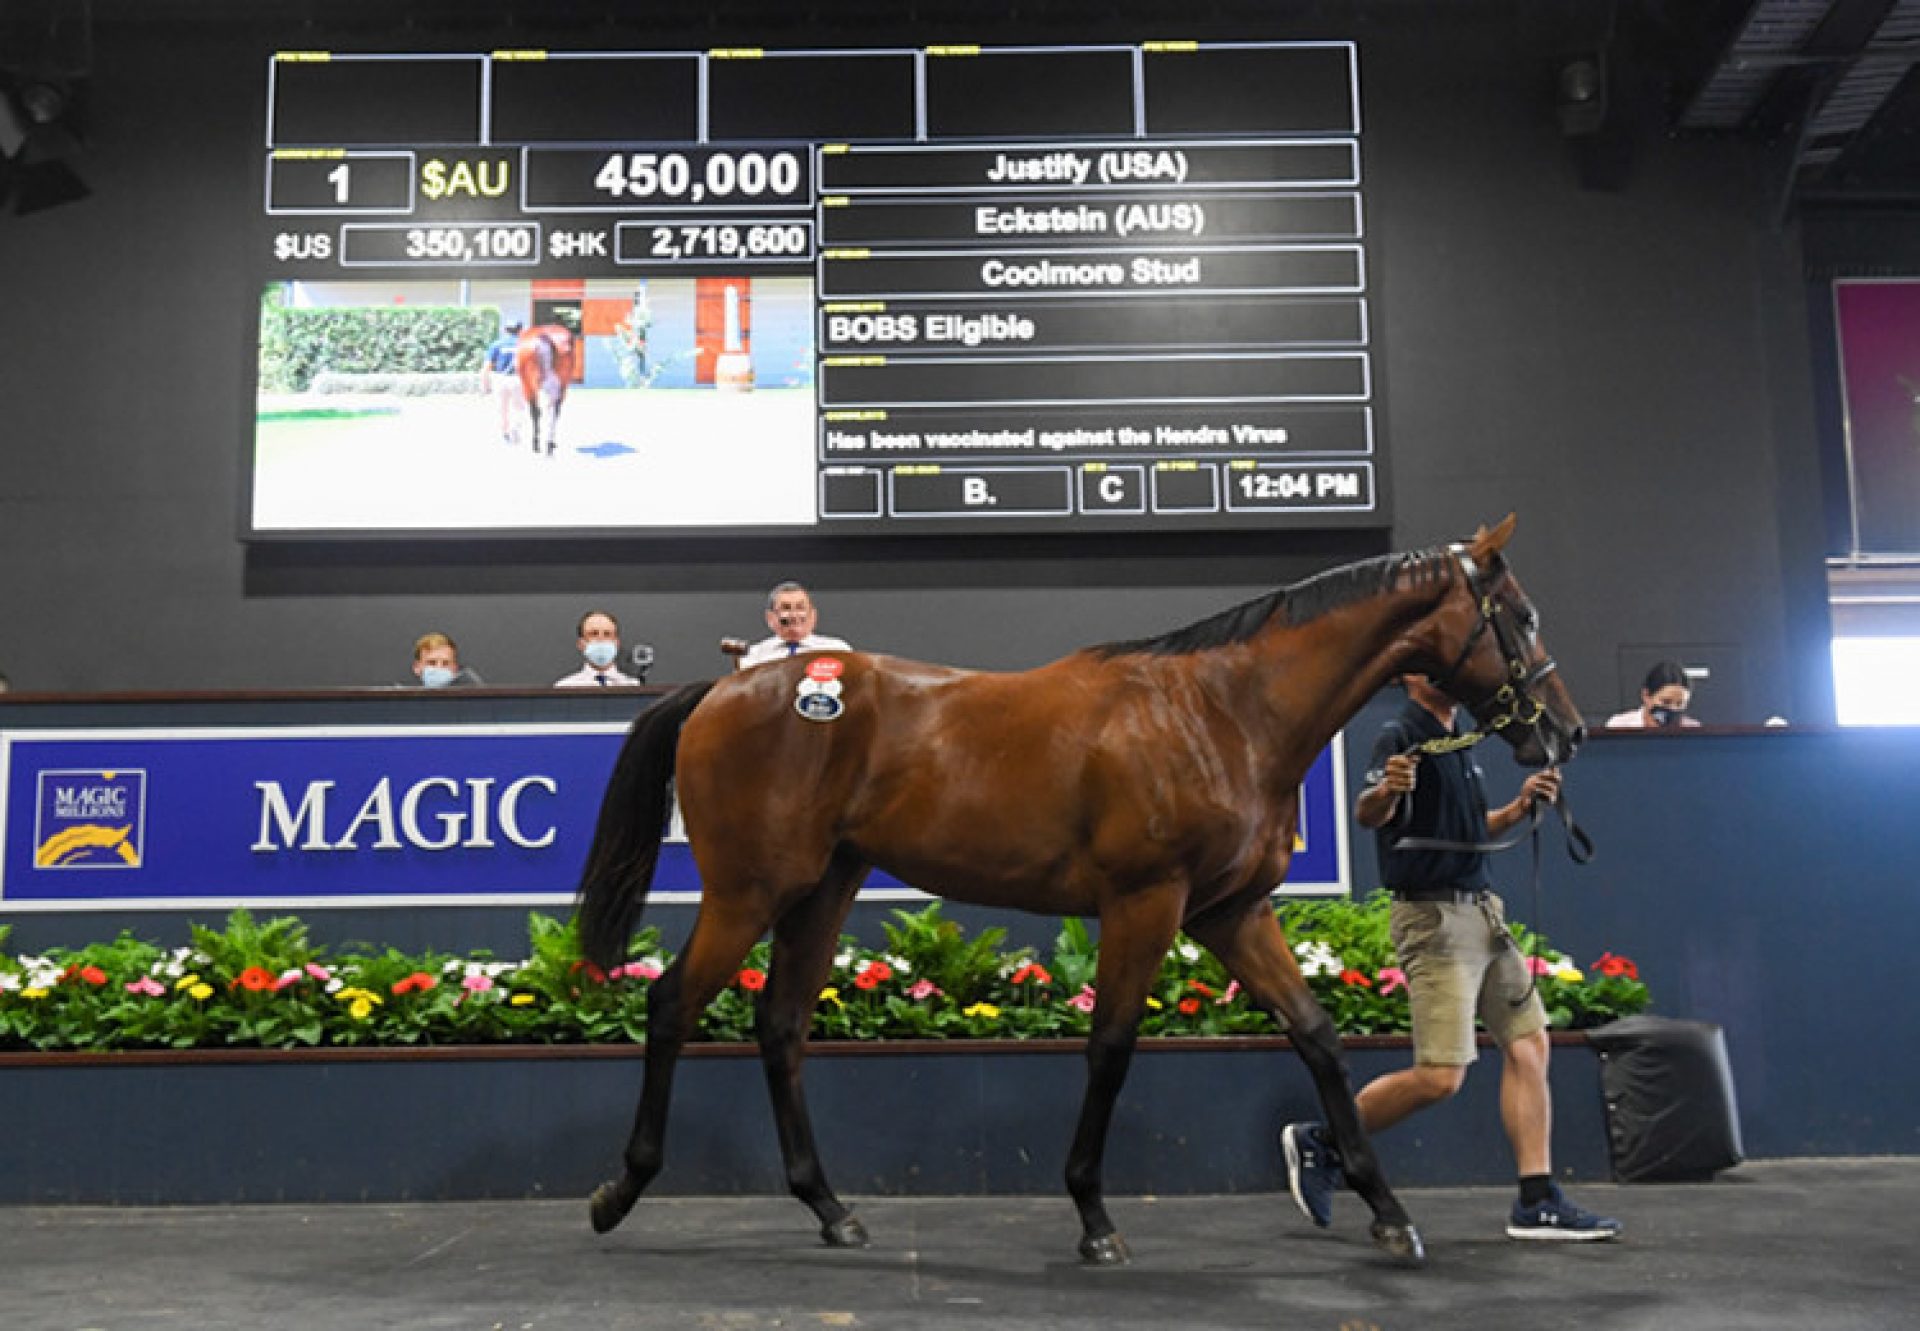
1663, 701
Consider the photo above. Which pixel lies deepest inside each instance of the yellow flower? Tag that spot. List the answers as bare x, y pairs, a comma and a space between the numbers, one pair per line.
1569, 974
521, 1000
1154, 1003
360, 1002
201, 991
33, 993
987, 1010
831, 995
187, 982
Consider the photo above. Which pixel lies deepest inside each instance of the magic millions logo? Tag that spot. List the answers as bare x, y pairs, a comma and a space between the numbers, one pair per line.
90, 820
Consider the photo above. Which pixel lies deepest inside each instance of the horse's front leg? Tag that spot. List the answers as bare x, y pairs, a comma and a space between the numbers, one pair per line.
1135, 933
1250, 944
803, 946
711, 957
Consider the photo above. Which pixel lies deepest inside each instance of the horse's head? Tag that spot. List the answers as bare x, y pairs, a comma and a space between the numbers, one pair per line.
1498, 667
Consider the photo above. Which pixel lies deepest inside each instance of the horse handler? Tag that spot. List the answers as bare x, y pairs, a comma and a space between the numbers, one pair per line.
499, 381
1450, 934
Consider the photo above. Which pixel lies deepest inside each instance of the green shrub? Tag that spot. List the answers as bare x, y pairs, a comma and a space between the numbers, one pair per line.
267, 985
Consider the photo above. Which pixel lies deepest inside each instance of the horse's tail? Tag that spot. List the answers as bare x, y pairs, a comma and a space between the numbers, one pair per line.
633, 820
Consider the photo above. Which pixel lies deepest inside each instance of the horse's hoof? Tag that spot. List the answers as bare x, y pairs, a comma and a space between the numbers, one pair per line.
1401, 1242
846, 1232
1106, 1250
609, 1204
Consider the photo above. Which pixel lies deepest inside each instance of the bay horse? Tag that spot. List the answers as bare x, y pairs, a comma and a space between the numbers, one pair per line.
546, 360
1152, 784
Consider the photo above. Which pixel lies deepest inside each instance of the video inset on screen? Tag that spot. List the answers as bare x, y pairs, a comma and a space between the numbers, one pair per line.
535, 404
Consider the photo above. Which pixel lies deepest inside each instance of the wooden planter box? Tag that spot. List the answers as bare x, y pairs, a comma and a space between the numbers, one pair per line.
914, 1118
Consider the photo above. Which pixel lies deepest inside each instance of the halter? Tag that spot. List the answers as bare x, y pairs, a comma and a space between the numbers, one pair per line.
1515, 694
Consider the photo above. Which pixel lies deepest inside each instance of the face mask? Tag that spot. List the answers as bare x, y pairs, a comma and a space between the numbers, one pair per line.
600, 654
1668, 716
436, 677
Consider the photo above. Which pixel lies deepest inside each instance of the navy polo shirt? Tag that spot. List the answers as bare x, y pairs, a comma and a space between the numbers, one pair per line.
1448, 803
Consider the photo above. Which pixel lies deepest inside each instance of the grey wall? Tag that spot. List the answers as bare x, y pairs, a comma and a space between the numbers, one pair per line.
1625, 367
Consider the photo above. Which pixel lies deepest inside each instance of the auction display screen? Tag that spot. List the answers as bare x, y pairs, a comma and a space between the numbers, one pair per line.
1106, 288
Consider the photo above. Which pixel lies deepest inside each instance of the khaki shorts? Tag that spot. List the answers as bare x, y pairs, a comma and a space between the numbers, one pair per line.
1460, 960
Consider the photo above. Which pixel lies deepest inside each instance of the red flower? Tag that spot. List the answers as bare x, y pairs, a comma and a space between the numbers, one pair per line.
594, 973
1189, 1006
872, 974
1616, 966
1033, 971
93, 975
1204, 990
418, 980
255, 978
756, 980
1354, 977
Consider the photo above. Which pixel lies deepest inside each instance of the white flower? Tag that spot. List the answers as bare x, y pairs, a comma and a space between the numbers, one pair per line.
842, 960
900, 964
1187, 951
1316, 958
9, 981
335, 985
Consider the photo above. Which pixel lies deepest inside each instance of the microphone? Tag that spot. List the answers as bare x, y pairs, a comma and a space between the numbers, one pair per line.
642, 658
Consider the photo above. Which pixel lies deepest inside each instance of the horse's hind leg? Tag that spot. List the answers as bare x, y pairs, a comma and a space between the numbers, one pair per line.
803, 944
1134, 935
711, 957
1249, 943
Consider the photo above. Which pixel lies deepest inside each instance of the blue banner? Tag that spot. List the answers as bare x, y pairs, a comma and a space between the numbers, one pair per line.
371, 815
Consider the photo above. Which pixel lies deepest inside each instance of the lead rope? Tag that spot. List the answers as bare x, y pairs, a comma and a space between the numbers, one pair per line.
1579, 844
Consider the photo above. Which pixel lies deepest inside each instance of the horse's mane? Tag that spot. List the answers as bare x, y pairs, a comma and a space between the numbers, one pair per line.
1299, 603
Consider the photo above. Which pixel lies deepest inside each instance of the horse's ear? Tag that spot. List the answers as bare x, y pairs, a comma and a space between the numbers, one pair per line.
1486, 544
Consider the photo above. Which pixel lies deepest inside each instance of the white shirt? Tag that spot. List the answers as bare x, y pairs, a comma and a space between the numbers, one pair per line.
588, 678
774, 648
1636, 720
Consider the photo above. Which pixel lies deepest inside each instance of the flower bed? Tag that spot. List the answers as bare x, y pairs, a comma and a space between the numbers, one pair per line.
265, 985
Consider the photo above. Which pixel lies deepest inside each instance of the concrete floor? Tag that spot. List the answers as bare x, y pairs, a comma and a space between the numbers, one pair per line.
1803, 1244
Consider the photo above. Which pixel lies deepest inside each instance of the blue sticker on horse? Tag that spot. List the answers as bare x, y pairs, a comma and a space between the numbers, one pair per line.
819, 699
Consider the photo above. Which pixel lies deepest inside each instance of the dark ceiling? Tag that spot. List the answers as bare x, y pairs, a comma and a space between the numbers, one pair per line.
1832, 82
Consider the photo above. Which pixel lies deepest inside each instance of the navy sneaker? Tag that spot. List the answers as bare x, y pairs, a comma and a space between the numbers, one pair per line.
1557, 1220
1313, 1170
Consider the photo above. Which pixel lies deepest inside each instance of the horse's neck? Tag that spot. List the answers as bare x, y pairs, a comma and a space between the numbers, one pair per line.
1314, 677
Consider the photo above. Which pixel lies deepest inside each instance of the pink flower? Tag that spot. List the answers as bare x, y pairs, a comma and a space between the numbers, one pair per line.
1538, 966
1084, 999
923, 989
1391, 978
318, 972
1233, 992
647, 969
477, 984
147, 985
288, 977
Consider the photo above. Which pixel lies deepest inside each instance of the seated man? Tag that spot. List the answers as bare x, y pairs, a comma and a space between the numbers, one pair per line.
600, 645
436, 662
791, 616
